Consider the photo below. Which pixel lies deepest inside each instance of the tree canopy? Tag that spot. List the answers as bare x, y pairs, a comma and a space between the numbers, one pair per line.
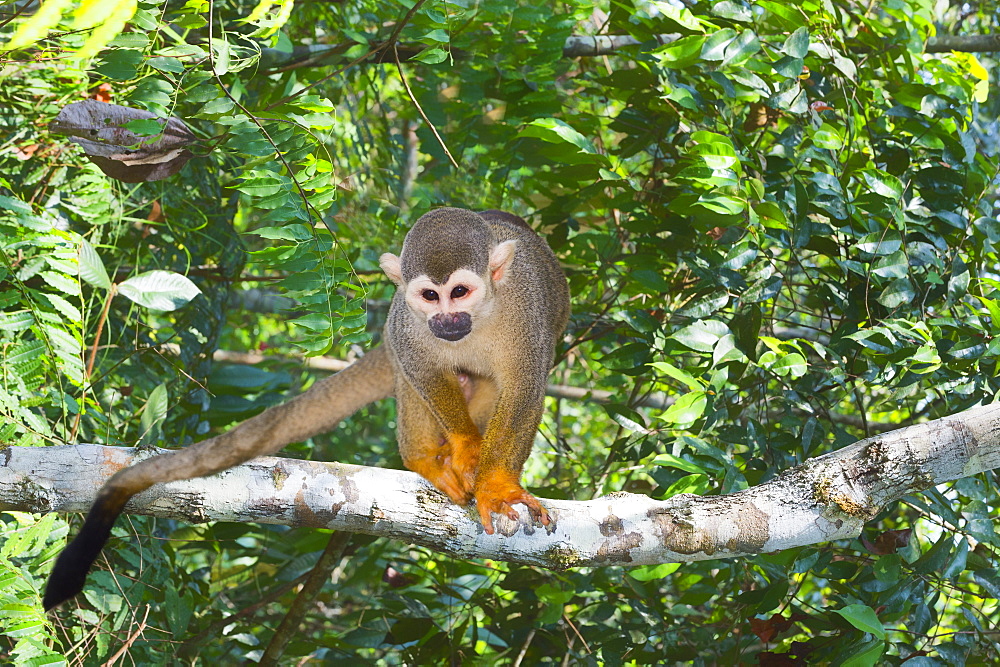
778, 223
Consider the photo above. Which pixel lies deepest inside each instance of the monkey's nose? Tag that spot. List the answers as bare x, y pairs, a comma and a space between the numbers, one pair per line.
451, 326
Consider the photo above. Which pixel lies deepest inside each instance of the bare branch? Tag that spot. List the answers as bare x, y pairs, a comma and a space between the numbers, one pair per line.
576, 46
657, 401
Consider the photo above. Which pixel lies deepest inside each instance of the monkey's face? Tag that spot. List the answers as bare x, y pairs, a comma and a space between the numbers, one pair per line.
449, 307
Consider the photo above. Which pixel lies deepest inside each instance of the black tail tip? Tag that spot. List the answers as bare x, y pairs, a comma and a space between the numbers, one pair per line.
70, 571
54, 598
66, 579
57, 592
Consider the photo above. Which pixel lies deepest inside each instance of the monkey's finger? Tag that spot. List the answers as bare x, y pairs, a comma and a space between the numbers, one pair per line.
508, 509
538, 512
535, 509
486, 517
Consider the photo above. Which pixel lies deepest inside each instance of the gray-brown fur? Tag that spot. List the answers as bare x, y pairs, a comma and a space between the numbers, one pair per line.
509, 351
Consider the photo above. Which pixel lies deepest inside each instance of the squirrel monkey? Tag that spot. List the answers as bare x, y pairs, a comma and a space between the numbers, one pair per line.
480, 303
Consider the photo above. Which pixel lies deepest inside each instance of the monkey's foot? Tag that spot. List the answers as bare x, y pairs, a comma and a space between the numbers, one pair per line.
464, 460
499, 492
451, 484
437, 469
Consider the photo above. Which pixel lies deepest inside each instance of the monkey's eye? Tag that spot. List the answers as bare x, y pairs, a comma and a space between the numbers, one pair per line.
459, 292
429, 295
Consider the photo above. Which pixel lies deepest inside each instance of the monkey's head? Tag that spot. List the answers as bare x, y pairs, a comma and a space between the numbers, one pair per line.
449, 269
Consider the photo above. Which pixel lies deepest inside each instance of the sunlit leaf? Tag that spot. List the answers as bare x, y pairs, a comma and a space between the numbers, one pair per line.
159, 290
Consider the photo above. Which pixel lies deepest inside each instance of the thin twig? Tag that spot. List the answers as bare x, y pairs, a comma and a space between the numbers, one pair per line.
93, 356
306, 598
421, 111
128, 642
524, 648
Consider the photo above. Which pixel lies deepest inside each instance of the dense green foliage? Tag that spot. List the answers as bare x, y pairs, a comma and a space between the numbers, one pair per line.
783, 218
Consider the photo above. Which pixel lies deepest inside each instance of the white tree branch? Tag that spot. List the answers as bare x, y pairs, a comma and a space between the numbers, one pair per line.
826, 498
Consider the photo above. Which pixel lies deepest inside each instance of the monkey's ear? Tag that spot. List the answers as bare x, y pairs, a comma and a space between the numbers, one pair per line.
390, 264
500, 260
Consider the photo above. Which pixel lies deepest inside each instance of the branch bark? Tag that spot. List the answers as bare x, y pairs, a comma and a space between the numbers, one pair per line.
575, 46
826, 498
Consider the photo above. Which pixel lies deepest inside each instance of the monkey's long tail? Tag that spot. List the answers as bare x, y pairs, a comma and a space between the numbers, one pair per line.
319, 409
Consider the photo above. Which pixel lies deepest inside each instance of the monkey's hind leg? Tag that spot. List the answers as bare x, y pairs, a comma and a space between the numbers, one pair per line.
427, 450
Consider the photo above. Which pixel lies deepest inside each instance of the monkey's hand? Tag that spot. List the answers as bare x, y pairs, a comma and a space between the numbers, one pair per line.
498, 491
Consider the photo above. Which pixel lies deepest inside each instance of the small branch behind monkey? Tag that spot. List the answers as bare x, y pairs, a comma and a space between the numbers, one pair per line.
657, 401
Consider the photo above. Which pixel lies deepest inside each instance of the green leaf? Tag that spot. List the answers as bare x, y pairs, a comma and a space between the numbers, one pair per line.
92, 269
722, 204
314, 322
14, 322
554, 130
437, 35
684, 52
763, 290
789, 67
671, 461
797, 44
219, 105
845, 65
680, 15
61, 282
653, 572
702, 335
717, 43
771, 215
159, 290
698, 484
261, 186
888, 568
868, 657
286, 233
240, 379
155, 409
222, 55
863, 618
120, 64
791, 365
882, 183
734, 11
14, 205
626, 417
898, 292
172, 65
669, 369
828, 137
687, 409
145, 127
740, 49
880, 243
69, 311
431, 56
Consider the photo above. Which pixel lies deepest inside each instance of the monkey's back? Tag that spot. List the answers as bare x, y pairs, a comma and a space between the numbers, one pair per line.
535, 269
